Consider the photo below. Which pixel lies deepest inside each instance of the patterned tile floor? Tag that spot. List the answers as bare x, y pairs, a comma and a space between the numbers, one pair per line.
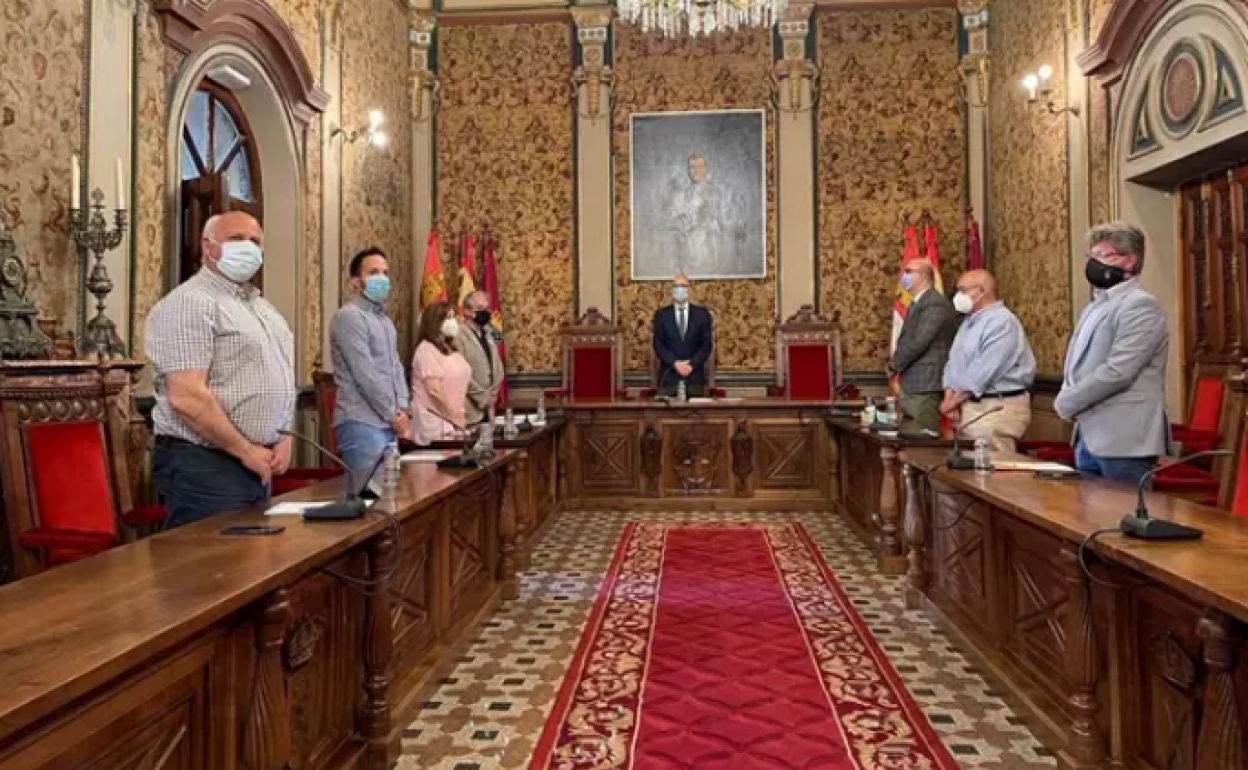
489, 712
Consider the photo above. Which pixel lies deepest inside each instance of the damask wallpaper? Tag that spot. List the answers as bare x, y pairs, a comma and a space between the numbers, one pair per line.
891, 142
376, 188
504, 152
40, 127
1028, 238
656, 74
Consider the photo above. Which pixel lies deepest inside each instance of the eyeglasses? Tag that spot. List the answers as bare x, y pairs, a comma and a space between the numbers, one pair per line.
1098, 256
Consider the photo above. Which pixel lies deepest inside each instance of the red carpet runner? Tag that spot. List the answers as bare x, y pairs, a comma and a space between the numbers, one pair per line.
731, 647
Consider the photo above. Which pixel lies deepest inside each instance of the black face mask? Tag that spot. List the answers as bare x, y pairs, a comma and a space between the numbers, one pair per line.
482, 317
1103, 276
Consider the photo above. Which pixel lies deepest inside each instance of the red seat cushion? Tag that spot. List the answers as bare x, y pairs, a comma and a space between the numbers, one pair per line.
810, 372
592, 375
68, 465
1185, 479
1207, 405
1194, 441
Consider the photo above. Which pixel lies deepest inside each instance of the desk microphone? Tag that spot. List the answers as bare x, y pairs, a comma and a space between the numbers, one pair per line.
466, 457
350, 506
955, 461
1141, 526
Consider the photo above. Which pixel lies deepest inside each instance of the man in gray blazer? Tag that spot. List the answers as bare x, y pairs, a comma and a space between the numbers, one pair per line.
476, 343
1115, 377
923, 345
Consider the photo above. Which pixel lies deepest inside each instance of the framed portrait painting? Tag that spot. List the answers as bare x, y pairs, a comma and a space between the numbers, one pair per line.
699, 196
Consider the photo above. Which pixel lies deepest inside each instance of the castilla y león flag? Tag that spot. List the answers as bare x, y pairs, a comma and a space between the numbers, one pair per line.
433, 280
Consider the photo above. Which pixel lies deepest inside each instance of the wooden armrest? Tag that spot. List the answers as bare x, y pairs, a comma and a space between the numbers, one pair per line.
48, 539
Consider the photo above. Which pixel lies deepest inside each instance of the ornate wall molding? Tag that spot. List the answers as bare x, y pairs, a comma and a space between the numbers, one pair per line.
796, 67
593, 29
192, 25
420, 28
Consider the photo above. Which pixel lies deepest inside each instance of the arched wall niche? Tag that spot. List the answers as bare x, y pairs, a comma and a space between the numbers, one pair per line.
1145, 53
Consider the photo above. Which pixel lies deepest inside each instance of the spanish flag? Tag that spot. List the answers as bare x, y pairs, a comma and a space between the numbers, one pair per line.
467, 266
490, 270
433, 280
903, 298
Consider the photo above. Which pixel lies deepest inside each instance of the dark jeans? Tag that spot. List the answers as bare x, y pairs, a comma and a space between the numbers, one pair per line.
197, 482
1128, 470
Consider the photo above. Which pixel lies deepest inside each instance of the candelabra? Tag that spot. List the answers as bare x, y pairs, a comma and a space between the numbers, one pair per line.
93, 234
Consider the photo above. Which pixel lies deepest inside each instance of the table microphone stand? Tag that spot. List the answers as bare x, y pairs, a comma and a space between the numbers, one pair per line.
956, 461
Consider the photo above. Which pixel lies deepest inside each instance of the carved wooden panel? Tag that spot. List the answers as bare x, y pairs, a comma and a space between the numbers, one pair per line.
160, 721
325, 689
786, 455
606, 457
1035, 595
863, 475
542, 473
697, 458
473, 546
960, 556
1168, 659
411, 596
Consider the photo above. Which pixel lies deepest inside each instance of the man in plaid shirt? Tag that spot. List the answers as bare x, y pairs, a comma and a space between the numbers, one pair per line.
225, 380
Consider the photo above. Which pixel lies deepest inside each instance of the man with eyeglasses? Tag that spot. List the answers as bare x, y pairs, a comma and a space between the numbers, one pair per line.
991, 366
1115, 376
923, 345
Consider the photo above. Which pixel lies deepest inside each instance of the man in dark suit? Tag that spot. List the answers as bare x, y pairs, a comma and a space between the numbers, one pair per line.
923, 346
683, 340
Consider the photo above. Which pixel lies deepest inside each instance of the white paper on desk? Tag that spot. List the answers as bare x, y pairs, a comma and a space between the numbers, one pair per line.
298, 509
701, 400
428, 456
1025, 465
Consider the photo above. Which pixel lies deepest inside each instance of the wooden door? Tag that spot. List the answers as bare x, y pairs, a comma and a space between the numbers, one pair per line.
1213, 244
202, 198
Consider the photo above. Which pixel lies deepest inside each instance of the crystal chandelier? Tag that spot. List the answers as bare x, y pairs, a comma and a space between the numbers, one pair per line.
701, 17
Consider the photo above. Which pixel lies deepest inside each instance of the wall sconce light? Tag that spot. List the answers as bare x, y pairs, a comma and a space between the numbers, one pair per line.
372, 131
1039, 89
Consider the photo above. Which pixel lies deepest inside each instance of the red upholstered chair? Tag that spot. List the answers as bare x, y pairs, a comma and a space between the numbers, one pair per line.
65, 467
1233, 494
326, 399
1208, 484
1205, 415
593, 360
808, 357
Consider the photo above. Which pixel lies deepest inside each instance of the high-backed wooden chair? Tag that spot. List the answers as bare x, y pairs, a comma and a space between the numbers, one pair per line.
325, 469
64, 461
1233, 493
593, 359
808, 357
1206, 418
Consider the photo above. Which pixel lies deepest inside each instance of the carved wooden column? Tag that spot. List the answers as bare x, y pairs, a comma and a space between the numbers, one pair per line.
916, 538
890, 559
651, 460
834, 466
1220, 745
507, 534
561, 471
742, 459
526, 517
378, 648
1085, 745
266, 742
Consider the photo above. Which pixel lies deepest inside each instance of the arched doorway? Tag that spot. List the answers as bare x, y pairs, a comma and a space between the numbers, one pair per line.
1177, 73
221, 169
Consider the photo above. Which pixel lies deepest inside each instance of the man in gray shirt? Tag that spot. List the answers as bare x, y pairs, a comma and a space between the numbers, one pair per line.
991, 367
371, 409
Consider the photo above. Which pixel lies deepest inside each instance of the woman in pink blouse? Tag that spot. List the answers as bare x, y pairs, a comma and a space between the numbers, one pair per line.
440, 377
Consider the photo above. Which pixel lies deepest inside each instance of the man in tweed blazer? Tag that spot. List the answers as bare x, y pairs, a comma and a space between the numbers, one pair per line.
478, 346
923, 346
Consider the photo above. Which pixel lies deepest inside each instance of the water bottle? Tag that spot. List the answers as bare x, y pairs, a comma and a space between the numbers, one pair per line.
392, 465
892, 415
509, 424
983, 458
541, 407
868, 412
485, 440
682, 394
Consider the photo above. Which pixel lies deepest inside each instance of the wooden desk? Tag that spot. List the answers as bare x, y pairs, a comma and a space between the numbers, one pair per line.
537, 484
870, 492
194, 650
1145, 673
751, 454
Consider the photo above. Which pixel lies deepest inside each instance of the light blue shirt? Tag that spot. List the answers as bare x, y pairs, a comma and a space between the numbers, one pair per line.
990, 354
370, 378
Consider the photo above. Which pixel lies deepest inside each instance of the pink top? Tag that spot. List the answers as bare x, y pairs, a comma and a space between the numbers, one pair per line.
444, 376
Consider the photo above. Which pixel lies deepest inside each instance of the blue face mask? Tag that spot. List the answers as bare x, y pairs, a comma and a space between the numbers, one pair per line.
377, 288
680, 293
240, 260
907, 281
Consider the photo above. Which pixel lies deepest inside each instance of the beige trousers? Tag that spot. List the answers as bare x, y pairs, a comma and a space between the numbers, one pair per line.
1001, 429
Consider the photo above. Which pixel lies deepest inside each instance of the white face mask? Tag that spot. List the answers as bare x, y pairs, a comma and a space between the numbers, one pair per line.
962, 303
240, 260
450, 327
